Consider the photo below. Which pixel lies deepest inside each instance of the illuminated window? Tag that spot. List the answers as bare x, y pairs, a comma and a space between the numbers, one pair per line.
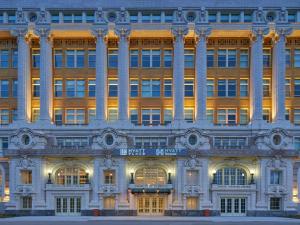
287, 87
4, 88
243, 88
26, 176
35, 58
150, 88
4, 116
189, 115
92, 88
244, 58
75, 116
192, 203
112, 88
4, 58
266, 87
35, 115
226, 116
134, 116
267, 61
109, 177
109, 202
168, 58
168, 117
70, 176
75, 88
112, 114
189, 58
112, 58
58, 58
150, 117
134, 58
150, 176
231, 176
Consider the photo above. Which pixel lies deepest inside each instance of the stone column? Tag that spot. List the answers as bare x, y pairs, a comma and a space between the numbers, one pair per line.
123, 73
201, 74
256, 74
24, 78
101, 73
278, 75
46, 77
96, 183
179, 33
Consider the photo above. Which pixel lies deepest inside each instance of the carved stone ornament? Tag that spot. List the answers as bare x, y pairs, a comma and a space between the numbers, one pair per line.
26, 138
282, 15
260, 15
192, 162
276, 139
42, 17
203, 15
179, 16
25, 162
24, 190
277, 191
194, 139
20, 16
109, 139
276, 163
108, 162
123, 16
100, 16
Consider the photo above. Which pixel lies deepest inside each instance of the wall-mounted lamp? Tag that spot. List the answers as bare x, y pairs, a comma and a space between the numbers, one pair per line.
214, 181
87, 179
131, 178
49, 179
252, 178
169, 178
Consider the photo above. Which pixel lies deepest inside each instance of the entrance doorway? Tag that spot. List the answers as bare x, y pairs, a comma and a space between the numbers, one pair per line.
233, 206
70, 206
151, 205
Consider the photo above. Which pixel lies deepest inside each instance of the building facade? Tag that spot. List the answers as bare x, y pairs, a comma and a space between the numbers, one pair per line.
150, 107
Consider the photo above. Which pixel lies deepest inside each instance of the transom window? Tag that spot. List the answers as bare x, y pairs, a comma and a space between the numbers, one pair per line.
227, 116
150, 142
75, 116
70, 176
230, 142
231, 176
72, 141
150, 176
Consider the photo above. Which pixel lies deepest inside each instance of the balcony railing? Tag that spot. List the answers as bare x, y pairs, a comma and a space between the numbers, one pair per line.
217, 187
73, 187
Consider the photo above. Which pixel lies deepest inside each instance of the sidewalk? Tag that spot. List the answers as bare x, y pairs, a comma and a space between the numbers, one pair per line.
164, 218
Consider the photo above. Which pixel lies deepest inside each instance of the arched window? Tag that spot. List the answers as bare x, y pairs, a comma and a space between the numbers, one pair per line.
150, 176
231, 176
70, 176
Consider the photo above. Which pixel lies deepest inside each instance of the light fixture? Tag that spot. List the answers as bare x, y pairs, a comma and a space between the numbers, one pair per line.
169, 178
49, 179
87, 181
214, 179
131, 178
252, 178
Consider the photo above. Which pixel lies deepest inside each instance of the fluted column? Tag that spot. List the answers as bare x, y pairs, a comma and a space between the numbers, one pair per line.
24, 78
123, 73
201, 74
278, 75
46, 77
179, 33
101, 73
256, 74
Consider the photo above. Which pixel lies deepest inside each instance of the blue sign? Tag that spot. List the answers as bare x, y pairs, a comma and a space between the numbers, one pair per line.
150, 152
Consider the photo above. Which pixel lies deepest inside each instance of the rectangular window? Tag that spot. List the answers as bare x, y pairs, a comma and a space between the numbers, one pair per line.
297, 58
112, 114
297, 87
297, 116
68, 17
75, 88
134, 58
266, 87
210, 58
210, 115
75, 58
168, 17
134, 88
4, 116
55, 17
266, 115
112, 58
247, 17
244, 58
14, 58
26, 176
227, 88
275, 204
226, 116
151, 58
168, 117
11, 17
3, 143
90, 17
224, 17
36, 88
75, 116
26, 202
192, 177
168, 58
287, 87
58, 58
134, 116
14, 113
212, 17
35, 115
133, 17
150, 117
292, 17
288, 57
92, 58
276, 177
109, 177
287, 114
58, 116
244, 117
297, 143
92, 88
58, 88
189, 115
243, 88
192, 203
77, 17
168, 88
189, 58
15, 88
210, 87
35, 58
188, 88
150, 88
4, 59
226, 58
235, 18
267, 62
4, 88
109, 203
92, 115
112, 88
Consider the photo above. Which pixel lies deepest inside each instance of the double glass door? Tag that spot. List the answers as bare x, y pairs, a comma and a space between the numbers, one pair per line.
68, 206
151, 205
233, 206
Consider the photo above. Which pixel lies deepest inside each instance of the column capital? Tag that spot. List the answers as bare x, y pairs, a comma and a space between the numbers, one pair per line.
179, 31
202, 32
44, 32
99, 32
123, 31
258, 32
22, 33
281, 33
